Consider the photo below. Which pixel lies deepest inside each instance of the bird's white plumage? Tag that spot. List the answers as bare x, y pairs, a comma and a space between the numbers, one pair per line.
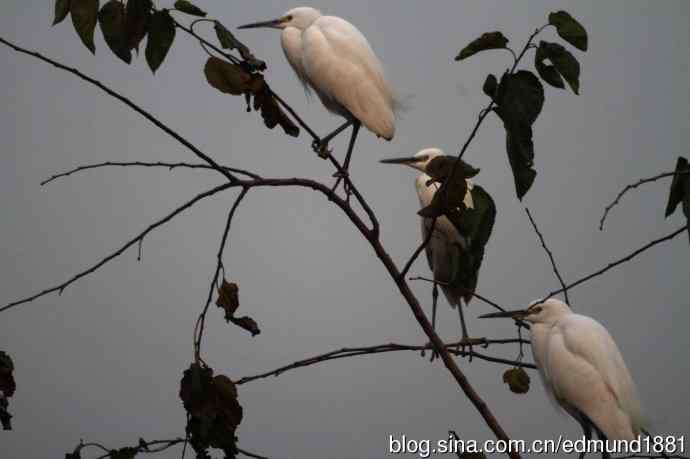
345, 73
584, 371
445, 234
332, 57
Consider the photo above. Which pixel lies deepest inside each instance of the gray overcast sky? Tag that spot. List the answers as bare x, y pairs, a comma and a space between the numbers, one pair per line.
103, 361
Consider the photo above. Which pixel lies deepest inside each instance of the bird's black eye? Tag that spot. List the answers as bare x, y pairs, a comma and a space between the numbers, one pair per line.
537, 310
288, 17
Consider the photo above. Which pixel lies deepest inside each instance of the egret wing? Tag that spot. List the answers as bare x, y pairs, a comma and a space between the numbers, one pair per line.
291, 41
341, 66
587, 372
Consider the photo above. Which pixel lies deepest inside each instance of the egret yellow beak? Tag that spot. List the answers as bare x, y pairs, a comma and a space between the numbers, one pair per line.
272, 24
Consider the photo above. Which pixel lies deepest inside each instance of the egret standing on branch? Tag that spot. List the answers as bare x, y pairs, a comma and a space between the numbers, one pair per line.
456, 249
332, 57
582, 370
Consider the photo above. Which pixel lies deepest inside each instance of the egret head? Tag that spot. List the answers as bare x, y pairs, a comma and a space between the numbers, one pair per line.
538, 312
418, 161
300, 18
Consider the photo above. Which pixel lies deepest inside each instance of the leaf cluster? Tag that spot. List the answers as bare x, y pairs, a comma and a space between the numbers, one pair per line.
213, 411
519, 97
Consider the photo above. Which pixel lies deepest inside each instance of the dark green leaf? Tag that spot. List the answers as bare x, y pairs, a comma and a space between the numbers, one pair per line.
161, 37
226, 77
519, 147
7, 383
489, 40
84, 18
273, 115
5, 416
680, 182
114, 28
138, 21
440, 167
520, 99
189, 8
485, 209
564, 62
490, 86
547, 72
61, 11
569, 29
228, 41
517, 379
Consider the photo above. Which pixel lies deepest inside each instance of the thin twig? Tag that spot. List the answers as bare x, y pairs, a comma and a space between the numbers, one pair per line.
550, 255
631, 187
118, 252
186, 143
166, 165
248, 454
143, 447
199, 328
205, 43
393, 347
419, 249
621, 261
474, 294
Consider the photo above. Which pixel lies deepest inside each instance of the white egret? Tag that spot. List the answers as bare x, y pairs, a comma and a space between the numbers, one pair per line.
582, 369
454, 258
332, 57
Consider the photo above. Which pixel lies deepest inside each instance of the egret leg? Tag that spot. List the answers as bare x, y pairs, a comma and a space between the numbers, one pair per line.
343, 173
465, 337
434, 295
587, 429
601, 436
321, 146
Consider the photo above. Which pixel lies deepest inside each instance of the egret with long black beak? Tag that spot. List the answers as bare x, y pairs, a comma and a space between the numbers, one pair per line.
582, 370
332, 57
454, 258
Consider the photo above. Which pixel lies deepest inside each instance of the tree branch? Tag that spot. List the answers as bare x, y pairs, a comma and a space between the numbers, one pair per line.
550, 255
127, 102
169, 166
370, 235
419, 249
199, 328
631, 187
393, 347
143, 447
621, 261
118, 252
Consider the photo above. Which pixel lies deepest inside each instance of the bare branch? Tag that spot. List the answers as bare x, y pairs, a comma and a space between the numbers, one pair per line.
474, 294
393, 347
622, 260
143, 447
127, 102
118, 252
419, 249
199, 328
631, 187
169, 166
248, 454
550, 255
